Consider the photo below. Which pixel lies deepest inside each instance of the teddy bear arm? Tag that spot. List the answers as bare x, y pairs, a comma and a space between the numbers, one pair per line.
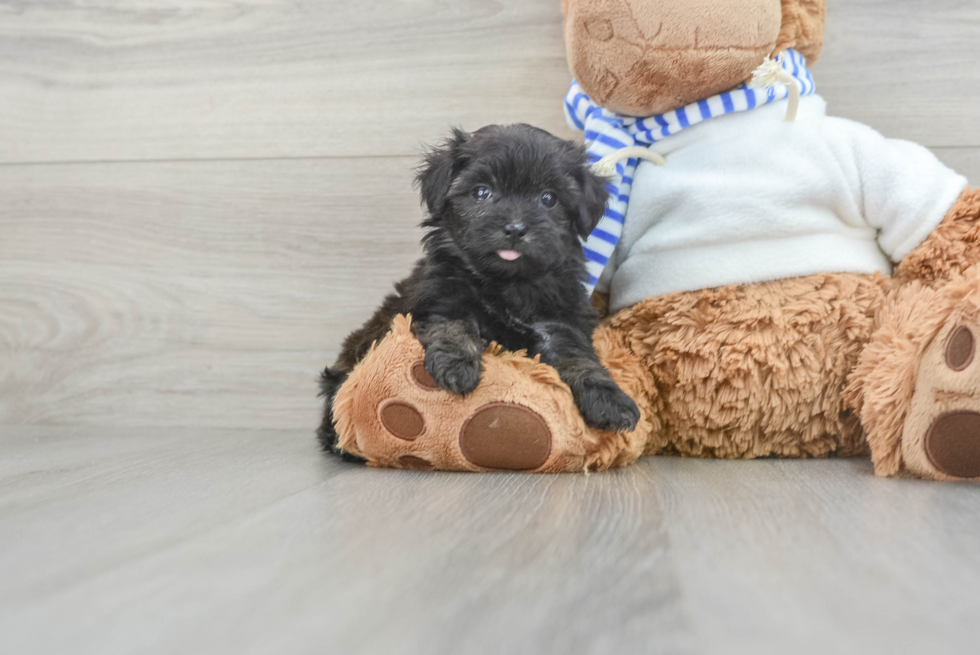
951, 248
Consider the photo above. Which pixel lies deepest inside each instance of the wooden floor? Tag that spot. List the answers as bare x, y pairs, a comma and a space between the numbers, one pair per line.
222, 541
198, 199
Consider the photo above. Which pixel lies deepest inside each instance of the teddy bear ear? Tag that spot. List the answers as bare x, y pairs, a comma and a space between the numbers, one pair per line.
803, 27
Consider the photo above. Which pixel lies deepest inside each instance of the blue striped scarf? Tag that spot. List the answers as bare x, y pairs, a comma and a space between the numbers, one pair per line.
607, 132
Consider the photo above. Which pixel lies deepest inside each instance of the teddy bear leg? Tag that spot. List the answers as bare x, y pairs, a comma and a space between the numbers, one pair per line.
521, 417
916, 387
754, 370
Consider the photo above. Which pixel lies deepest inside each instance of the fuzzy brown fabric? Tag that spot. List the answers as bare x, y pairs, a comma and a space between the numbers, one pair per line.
738, 372
385, 377
644, 57
803, 27
744, 371
897, 388
952, 246
427, 428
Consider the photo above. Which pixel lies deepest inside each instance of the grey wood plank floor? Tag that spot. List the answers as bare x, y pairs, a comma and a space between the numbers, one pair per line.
220, 541
198, 200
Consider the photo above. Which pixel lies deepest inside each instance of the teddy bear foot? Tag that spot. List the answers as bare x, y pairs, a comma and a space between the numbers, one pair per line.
941, 436
494, 435
521, 417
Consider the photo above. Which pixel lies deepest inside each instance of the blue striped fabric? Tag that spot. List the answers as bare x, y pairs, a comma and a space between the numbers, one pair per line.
607, 132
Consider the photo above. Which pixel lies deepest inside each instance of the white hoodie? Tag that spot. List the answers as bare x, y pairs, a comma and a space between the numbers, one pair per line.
747, 197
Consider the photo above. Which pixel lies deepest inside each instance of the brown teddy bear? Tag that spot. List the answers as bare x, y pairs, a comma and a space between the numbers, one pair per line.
781, 283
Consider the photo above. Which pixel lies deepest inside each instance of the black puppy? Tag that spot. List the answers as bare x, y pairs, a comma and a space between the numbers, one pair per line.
503, 262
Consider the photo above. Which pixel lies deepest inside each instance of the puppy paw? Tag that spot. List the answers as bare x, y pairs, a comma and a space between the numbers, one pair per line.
453, 369
606, 407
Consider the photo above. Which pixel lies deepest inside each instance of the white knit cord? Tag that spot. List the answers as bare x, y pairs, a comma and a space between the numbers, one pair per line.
770, 73
607, 165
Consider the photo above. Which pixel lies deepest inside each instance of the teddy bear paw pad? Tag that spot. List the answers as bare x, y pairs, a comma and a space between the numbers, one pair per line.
953, 443
960, 349
402, 420
505, 436
423, 378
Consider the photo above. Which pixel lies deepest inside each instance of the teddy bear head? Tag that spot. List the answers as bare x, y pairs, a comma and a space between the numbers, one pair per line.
646, 57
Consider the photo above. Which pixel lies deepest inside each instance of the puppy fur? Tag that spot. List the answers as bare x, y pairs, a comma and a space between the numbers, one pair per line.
500, 191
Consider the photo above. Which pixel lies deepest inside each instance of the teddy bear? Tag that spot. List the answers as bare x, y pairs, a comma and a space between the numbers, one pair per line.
775, 282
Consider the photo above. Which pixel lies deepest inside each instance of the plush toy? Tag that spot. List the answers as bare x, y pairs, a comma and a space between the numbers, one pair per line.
781, 283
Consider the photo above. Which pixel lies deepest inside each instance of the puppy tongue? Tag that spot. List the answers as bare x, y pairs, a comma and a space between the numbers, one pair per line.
509, 255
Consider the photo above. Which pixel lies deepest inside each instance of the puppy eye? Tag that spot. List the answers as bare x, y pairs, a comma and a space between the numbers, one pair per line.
549, 199
482, 193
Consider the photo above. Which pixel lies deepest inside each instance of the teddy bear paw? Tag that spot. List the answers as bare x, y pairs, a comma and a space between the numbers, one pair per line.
423, 427
495, 435
941, 436
521, 417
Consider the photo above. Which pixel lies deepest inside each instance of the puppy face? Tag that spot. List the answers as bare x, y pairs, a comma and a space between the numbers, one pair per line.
512, 199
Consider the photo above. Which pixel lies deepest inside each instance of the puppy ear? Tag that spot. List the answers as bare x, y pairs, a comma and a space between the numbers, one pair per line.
439, 169
591, 201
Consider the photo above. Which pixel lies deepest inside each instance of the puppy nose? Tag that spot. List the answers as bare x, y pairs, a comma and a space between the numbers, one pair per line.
517, 230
